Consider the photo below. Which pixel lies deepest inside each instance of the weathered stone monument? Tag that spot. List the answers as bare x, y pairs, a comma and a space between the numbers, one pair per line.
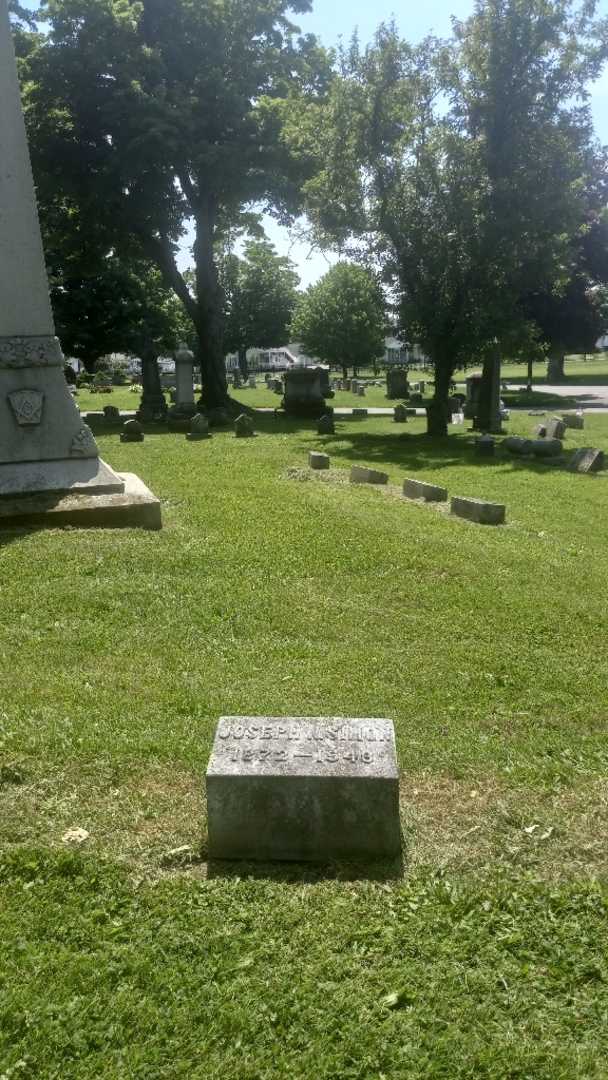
587, 460
303, 393
184, 382
46, 451
304, 788
396, 383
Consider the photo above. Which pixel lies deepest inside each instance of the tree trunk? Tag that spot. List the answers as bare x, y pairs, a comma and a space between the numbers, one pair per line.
243, 368
345, 371
438, 413
209, 314
555, 366
530, 371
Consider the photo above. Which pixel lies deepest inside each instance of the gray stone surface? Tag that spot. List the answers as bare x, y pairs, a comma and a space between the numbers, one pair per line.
556, 429
359, 412
516, 445
243, 427
483, 513
184, 380
90, 475
303, 393
396, 383
134, 507
132, 432
303, 788
587, 460
400, 414
574, 420
326, 425
199, 428
546, 447
419, 489
485, 446
541, 431
317, 460
361, 475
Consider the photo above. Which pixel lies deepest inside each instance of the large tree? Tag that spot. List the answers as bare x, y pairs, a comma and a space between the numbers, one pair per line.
261, 295
341, 318
462, 166
149, 116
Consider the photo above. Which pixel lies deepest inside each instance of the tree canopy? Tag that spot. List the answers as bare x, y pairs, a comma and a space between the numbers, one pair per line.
461, 165
341, 319
261, 295
148, 116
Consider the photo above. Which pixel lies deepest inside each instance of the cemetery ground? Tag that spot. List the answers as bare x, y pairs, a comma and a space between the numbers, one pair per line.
127, 954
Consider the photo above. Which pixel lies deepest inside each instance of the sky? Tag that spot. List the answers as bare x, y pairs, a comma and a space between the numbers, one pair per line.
332, 20
335, 20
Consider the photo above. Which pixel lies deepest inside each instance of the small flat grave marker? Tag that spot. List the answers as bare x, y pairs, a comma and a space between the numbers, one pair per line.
586, 460
310, 788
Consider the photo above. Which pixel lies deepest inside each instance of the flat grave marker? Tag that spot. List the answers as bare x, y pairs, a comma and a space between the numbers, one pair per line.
303, 788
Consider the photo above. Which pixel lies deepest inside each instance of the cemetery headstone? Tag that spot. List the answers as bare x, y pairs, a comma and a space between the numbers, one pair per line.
317, 460
556, 429
361, 390
112, 414
303, 395
361, 475
477, 510
132, 432
243, 427
419, 489
184, 380
45, 447
541, 431
325, 425
396, 383
546, 448
485, 446
199, 428
400, 414
515, 444
574, 420
587, 460
303, 788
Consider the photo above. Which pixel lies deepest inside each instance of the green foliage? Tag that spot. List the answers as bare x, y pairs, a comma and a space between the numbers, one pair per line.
260, 291
464, 167
110, 304
341, 319
146, 116
485, 957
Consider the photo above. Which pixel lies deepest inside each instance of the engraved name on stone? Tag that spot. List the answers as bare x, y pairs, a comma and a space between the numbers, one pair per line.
299, 742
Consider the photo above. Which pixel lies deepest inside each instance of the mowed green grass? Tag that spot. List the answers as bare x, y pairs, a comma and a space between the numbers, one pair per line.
273, 591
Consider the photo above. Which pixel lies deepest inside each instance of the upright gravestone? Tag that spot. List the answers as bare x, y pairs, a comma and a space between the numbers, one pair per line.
310, 788
45, 448
396, 383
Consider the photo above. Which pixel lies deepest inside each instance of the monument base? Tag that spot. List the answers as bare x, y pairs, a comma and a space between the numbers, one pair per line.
133, 507
69, 477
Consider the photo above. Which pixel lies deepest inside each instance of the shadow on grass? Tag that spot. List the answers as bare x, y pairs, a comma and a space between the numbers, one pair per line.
539, 400
417, 452
298, 873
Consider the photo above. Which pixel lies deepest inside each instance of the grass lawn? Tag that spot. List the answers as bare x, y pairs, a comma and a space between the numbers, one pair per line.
270, 591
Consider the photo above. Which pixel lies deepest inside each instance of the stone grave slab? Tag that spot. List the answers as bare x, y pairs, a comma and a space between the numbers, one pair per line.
586, 460
482, 513
419, 489
361, 475
303, 788
317, 460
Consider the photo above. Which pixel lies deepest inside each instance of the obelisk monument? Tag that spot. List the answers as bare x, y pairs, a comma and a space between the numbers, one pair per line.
44, 445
